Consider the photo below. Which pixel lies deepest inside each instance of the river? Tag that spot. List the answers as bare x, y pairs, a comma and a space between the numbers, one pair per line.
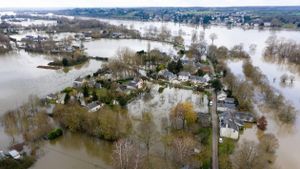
20, 75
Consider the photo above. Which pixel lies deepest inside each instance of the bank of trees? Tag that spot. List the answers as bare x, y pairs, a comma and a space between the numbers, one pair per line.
93, 25
135, 151
283, 110
281, 50
109, 123
240, 89
28, 121
128, 63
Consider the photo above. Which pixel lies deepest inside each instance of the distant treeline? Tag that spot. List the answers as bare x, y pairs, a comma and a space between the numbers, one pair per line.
280, 16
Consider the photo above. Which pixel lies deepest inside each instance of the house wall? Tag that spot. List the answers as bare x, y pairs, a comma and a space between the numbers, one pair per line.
183, 78
229, 133
95, 109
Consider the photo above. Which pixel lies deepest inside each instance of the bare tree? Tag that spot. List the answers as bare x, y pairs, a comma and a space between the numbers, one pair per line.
269, 143
183, 149
194, 37
248, 156
127, 155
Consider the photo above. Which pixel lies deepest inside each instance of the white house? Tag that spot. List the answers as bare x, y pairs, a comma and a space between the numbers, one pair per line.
93, 107
51, 96
14, 154
229, 132
221, 96
197, 79
78, 82
184, 76
61, 98
167, 74
228, 127
207, 77
222, 107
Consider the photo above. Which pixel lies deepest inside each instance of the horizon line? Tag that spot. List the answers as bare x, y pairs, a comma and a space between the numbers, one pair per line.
7, 8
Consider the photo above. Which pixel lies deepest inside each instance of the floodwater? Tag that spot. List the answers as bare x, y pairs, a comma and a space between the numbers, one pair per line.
76, 151
21, 78
20, 75
108, 47
289, 136
160, 104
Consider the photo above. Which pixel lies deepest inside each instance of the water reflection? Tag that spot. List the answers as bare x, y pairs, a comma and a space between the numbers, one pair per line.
76, 151
160, 104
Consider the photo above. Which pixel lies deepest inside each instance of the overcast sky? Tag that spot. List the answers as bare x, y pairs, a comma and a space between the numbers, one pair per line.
141, 3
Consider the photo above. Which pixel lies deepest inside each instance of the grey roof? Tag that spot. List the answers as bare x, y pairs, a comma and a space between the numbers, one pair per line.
227, 105
227, 120
184, 73
168, 74
52, 96
79, 79
245, 117
132, 83
198, 78
92, 105
229, 100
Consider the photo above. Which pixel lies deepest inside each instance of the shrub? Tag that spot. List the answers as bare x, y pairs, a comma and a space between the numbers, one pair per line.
55, 133
161, 89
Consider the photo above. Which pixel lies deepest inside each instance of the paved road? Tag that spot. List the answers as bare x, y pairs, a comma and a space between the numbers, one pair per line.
215, 136
215, 127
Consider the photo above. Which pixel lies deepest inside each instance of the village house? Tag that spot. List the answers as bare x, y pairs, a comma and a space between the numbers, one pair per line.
80, 98
14, 154
61, 98
184, 76
51, 96
98, 85
222, 107
197, 80
79, 82
207, 77
93, 107
245, 117
134, 84
167, 75
229, 100
228, 126
221, 96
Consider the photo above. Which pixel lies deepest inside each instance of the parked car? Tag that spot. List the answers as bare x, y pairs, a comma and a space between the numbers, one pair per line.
210, 103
